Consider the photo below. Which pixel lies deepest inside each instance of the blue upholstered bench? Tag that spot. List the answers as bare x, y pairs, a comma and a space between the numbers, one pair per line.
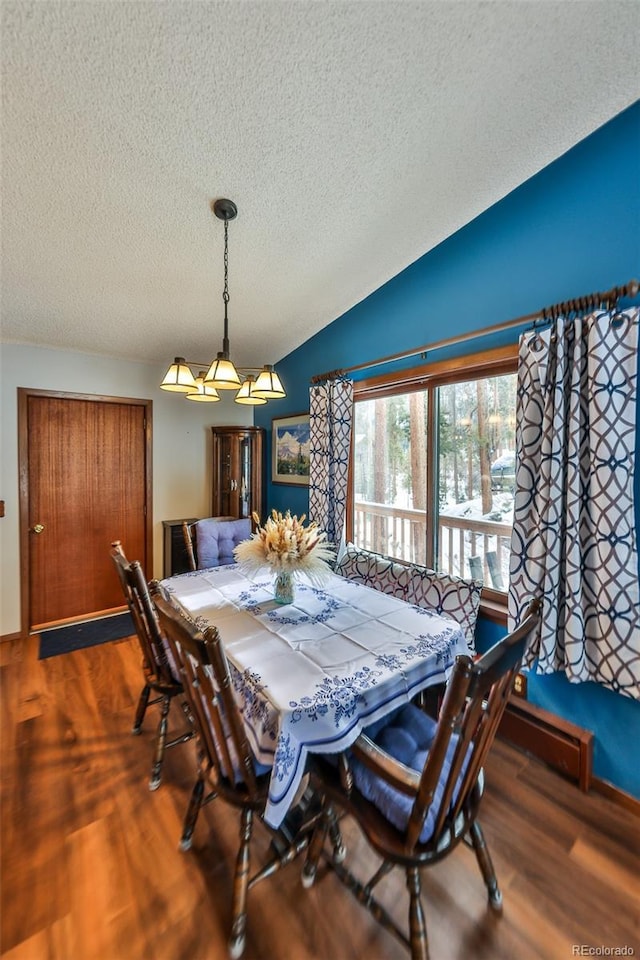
451, 596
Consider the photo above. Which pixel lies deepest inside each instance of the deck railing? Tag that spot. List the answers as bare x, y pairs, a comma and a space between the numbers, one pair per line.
466, 547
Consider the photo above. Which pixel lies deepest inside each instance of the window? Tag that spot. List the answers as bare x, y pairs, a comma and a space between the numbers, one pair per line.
434, 466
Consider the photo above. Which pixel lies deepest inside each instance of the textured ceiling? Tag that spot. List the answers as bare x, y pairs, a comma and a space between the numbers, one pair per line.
353, 137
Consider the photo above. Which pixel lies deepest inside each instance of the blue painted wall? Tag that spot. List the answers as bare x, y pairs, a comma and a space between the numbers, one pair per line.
571, 229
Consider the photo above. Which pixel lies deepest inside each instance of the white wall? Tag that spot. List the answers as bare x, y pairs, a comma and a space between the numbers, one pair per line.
182, 444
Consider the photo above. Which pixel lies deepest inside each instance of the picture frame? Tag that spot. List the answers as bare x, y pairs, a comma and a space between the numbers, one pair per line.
290, 449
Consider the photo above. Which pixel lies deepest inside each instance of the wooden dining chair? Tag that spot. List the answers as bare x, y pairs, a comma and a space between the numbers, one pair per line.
160, 673
210, 542
414, 784
226, 762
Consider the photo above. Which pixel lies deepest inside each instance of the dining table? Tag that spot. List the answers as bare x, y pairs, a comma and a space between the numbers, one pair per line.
311, 675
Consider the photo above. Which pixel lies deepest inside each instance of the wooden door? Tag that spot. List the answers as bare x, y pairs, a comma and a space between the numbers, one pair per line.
85, 481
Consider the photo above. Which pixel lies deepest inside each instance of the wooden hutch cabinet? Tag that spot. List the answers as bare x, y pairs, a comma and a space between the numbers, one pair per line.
238, 471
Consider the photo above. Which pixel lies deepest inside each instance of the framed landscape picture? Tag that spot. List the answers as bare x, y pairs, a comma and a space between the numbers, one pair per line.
290, 450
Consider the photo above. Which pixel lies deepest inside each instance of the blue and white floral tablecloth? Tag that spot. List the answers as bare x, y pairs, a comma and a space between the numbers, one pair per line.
311, 675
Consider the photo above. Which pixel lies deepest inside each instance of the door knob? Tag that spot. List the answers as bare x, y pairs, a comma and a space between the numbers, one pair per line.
38, 527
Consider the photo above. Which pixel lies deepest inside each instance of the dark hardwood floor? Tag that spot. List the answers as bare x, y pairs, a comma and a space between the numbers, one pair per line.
91, 867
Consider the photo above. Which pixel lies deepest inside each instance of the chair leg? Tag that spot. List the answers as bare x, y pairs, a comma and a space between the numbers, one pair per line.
486, 866
240, 887
417, 925
141, 709
186, 709
318, 837
191, 816
161, 739
339, 849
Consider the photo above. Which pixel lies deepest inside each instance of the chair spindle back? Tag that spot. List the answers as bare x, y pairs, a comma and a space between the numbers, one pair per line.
136, 592
208, 685
474, 703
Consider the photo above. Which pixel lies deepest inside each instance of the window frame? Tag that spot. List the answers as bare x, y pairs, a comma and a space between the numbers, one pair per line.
428, 377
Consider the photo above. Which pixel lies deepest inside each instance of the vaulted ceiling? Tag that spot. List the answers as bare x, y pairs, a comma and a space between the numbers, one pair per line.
353, 137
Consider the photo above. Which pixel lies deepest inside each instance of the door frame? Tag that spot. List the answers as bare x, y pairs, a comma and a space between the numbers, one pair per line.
23, 479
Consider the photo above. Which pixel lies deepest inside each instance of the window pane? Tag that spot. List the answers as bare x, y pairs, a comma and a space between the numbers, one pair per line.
476, 476
390, 476
474, 459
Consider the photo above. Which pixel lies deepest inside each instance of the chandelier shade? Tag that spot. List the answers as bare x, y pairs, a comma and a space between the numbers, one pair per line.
268, 384
178, 377
246, 393
222, 374
203, 393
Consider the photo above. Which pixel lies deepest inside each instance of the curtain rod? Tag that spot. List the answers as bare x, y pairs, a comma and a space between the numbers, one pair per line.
610, 298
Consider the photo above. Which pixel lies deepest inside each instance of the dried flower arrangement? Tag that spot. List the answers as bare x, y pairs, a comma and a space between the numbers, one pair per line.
287, 546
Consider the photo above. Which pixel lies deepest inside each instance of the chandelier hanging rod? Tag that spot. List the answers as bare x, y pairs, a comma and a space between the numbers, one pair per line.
225, 210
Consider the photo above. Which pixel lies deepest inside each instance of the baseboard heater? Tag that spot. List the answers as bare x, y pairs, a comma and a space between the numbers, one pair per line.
555, 741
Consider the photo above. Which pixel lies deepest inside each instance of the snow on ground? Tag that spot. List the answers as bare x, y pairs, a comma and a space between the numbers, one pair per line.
501, 512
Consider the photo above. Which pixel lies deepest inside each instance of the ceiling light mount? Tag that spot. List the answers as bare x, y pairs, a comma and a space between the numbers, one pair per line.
224, 209
222, 373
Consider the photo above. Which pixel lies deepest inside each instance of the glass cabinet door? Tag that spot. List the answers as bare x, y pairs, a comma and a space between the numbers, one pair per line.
238, 467
244, 493
226, 506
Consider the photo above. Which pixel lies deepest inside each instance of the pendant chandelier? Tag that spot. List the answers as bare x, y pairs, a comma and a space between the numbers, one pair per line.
254, 385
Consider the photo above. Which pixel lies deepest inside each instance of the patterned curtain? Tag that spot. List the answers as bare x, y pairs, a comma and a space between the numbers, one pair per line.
331, 415
574, 538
